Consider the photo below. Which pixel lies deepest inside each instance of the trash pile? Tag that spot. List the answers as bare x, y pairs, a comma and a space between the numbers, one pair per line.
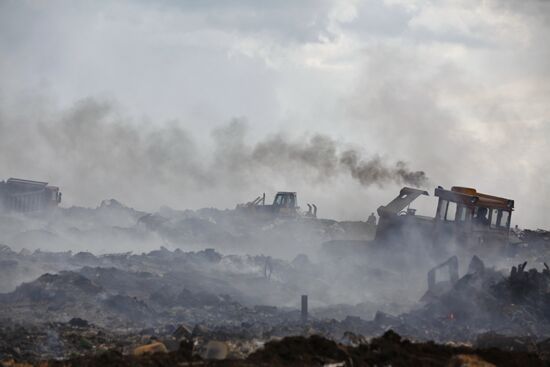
187, 304
171, 286
388, 349
534, 244
142, 290
482, 301
114, 227
41, 341
91, 309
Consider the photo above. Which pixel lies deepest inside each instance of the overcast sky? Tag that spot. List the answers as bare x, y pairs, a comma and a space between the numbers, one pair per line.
89, 91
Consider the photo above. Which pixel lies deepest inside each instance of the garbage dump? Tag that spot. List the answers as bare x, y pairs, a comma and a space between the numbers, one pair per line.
115, 285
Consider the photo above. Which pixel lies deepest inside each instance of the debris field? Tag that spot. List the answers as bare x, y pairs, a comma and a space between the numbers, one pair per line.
162, 297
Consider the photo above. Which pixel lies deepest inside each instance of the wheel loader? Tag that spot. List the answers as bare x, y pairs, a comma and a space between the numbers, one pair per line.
465, 220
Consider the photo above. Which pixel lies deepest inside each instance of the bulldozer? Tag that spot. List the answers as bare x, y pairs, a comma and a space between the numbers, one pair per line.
285, 204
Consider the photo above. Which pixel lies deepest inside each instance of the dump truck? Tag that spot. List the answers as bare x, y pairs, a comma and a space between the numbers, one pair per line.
19, 195
285, 204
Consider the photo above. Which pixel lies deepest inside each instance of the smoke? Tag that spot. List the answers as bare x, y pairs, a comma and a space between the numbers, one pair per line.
327, 159
374, 170
92, 151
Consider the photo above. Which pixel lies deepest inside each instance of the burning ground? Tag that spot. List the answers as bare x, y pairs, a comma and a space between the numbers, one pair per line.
173, 296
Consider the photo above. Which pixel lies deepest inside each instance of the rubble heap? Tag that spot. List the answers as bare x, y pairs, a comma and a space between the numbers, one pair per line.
389, 349
479, 302
89, 308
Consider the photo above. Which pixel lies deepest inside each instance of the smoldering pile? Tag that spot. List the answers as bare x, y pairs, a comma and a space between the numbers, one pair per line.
123, 300
483, 305
114, 227
154, 294
122, 291
186, 350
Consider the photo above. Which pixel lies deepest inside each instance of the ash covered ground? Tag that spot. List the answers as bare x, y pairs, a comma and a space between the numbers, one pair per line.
113, 285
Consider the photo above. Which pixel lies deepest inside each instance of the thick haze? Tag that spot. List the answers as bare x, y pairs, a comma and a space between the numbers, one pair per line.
210, 103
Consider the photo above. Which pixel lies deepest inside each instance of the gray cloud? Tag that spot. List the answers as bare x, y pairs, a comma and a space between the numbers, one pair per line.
287, 21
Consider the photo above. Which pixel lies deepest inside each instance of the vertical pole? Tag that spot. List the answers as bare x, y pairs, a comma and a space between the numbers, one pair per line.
304, 308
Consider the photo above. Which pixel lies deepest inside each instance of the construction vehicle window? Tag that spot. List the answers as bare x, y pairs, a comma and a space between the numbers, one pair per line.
279, 200
505, 215
494, 218
442, 208
463, 213
481, 216
451, 211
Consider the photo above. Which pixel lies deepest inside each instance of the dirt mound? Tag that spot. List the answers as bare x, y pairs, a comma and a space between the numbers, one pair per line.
389, 349
300, 351
56, 287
